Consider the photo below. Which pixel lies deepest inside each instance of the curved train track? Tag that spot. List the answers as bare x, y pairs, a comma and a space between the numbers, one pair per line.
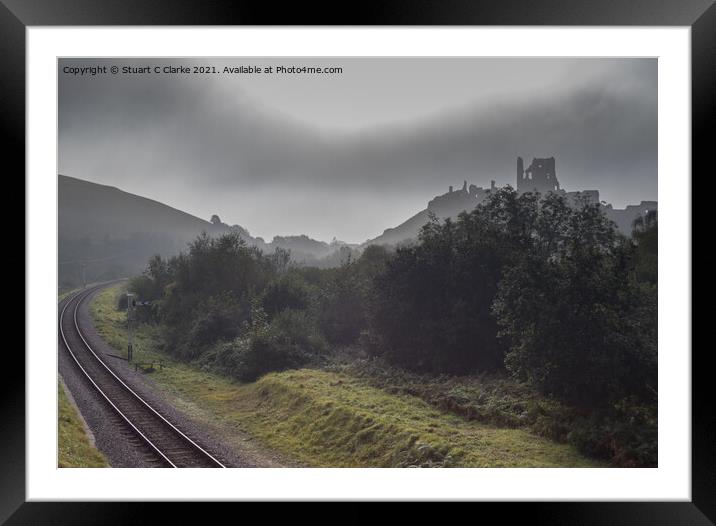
143, 425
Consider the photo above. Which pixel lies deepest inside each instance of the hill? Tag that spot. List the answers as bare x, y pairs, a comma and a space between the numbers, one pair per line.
452, 203
105, 233
95, 211
443, 206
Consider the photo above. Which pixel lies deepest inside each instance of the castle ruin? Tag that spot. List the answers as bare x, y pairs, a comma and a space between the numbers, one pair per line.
540, 176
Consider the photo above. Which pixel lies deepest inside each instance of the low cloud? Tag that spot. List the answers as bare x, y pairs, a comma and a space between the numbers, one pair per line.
206, 149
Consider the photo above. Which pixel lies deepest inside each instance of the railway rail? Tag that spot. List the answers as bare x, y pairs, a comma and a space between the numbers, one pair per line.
142, 424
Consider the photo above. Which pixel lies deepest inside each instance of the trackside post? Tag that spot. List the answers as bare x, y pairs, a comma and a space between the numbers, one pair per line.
131, 302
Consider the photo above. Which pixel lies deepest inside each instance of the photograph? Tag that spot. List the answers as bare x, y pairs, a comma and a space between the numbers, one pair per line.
357, 262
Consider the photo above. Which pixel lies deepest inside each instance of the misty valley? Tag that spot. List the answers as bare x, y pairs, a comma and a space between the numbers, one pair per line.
396, 262
498, 327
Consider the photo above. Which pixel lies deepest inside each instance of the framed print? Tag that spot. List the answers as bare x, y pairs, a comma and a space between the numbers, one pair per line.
315, 254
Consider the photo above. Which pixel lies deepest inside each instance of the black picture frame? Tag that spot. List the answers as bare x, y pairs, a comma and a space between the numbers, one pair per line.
700, 15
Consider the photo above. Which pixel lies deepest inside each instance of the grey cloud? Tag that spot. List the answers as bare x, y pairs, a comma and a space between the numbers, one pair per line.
193, 144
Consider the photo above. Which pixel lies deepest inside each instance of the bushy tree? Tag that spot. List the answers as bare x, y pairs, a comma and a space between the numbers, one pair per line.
288, 291
527, 281
431, 308
217, 318
577, 322
280, 259
341, 305
646, 247
290, 340
229, 305
211, 287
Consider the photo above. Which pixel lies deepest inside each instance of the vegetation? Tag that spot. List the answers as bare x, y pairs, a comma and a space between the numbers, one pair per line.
488, 398
626, 439
287, 342
573, 313
300, 414
546, 291
111, 325
646, 241
332, 419
245, 314
73, 447
543, 303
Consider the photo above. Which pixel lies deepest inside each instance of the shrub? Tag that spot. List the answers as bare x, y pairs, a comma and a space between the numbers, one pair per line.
289, 341
122, 301
298, 329
580, 327
143, 286
205, 292
342, 305
288, 291
646, 247
627, 435
218, 318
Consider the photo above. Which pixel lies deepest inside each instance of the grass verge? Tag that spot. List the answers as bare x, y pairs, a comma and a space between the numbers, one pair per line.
74, 447
488, 398
333, 419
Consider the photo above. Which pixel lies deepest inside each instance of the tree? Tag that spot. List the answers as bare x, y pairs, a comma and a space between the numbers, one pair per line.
211, 289
287, 291
527, 282
431, 307
341, 304
646, 247
281, 260
577, 324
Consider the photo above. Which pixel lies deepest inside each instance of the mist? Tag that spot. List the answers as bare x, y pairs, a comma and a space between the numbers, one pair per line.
351, 154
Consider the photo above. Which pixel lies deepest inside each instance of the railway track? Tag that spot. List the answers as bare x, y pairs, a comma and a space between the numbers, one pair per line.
141, 424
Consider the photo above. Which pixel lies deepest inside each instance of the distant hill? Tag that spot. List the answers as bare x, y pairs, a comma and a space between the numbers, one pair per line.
95, 211
106, 233
443, 206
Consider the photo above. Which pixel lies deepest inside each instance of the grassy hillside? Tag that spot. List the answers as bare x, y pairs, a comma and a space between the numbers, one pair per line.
93, 210
73, 445
105, 233
324, 418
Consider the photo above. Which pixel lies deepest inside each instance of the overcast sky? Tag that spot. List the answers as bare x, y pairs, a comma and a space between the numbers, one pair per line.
353, 153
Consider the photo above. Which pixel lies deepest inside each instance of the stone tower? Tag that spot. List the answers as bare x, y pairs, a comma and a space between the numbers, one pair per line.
540, 176
520, 171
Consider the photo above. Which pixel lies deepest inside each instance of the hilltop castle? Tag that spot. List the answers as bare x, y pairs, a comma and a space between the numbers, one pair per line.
540, 176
